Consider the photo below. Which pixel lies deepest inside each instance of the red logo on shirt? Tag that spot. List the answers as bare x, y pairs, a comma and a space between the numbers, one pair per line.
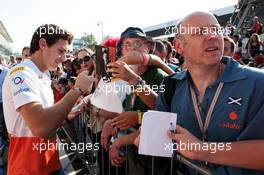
231, 125
233, 115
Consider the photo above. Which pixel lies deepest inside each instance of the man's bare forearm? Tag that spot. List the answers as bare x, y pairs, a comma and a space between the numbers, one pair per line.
43, 121
128, 139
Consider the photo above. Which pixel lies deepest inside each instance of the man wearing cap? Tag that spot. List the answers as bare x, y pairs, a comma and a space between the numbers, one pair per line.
133, 39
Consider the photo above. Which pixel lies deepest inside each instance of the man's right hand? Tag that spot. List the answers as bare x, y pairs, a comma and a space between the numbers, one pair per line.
84, 82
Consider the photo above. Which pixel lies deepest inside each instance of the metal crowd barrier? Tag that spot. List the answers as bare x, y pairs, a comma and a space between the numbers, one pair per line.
84, 134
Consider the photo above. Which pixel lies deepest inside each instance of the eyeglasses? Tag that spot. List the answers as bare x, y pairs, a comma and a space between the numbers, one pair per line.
136, 44
85, 58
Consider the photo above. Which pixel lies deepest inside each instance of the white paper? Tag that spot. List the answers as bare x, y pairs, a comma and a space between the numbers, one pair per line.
153, 135
77, 107
110, 96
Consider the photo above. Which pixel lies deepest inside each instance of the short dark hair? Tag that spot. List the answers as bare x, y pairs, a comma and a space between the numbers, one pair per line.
19, 58
160, 46
236, 36
51, 33
231, 41
25, 48
168, 47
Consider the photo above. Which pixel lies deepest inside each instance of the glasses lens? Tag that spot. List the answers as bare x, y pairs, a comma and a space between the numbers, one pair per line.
136, 44
86, 58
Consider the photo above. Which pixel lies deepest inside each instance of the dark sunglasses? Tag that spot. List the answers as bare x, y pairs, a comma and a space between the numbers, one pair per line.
86, 58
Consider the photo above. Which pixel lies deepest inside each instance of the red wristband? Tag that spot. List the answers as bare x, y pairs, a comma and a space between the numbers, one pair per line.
145, 59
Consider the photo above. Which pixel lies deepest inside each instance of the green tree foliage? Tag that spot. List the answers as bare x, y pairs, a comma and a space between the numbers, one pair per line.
89, 41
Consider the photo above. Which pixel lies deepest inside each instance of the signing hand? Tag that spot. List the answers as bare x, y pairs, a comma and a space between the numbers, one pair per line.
81, 106
85, 82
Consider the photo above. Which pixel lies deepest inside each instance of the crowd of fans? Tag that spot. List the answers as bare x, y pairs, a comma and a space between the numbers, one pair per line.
248, 49
151, 60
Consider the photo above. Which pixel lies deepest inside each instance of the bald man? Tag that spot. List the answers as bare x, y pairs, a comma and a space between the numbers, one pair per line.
220, 105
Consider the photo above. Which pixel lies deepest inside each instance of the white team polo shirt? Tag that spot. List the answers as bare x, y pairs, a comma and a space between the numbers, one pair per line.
24, 84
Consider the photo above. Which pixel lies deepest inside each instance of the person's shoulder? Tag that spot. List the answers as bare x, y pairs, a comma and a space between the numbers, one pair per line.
5, 69
180, 75
252, 72
255, 77
20, 68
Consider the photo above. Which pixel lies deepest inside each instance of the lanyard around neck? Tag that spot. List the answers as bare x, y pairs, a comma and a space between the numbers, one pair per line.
203, 127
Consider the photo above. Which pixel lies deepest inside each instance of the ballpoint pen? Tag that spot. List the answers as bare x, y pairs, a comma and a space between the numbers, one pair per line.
174, 146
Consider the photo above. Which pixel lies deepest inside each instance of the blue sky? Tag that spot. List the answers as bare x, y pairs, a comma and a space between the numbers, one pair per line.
22, 17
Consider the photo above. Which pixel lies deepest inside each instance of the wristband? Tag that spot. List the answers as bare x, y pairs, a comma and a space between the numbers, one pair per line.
145, 59
139, 113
